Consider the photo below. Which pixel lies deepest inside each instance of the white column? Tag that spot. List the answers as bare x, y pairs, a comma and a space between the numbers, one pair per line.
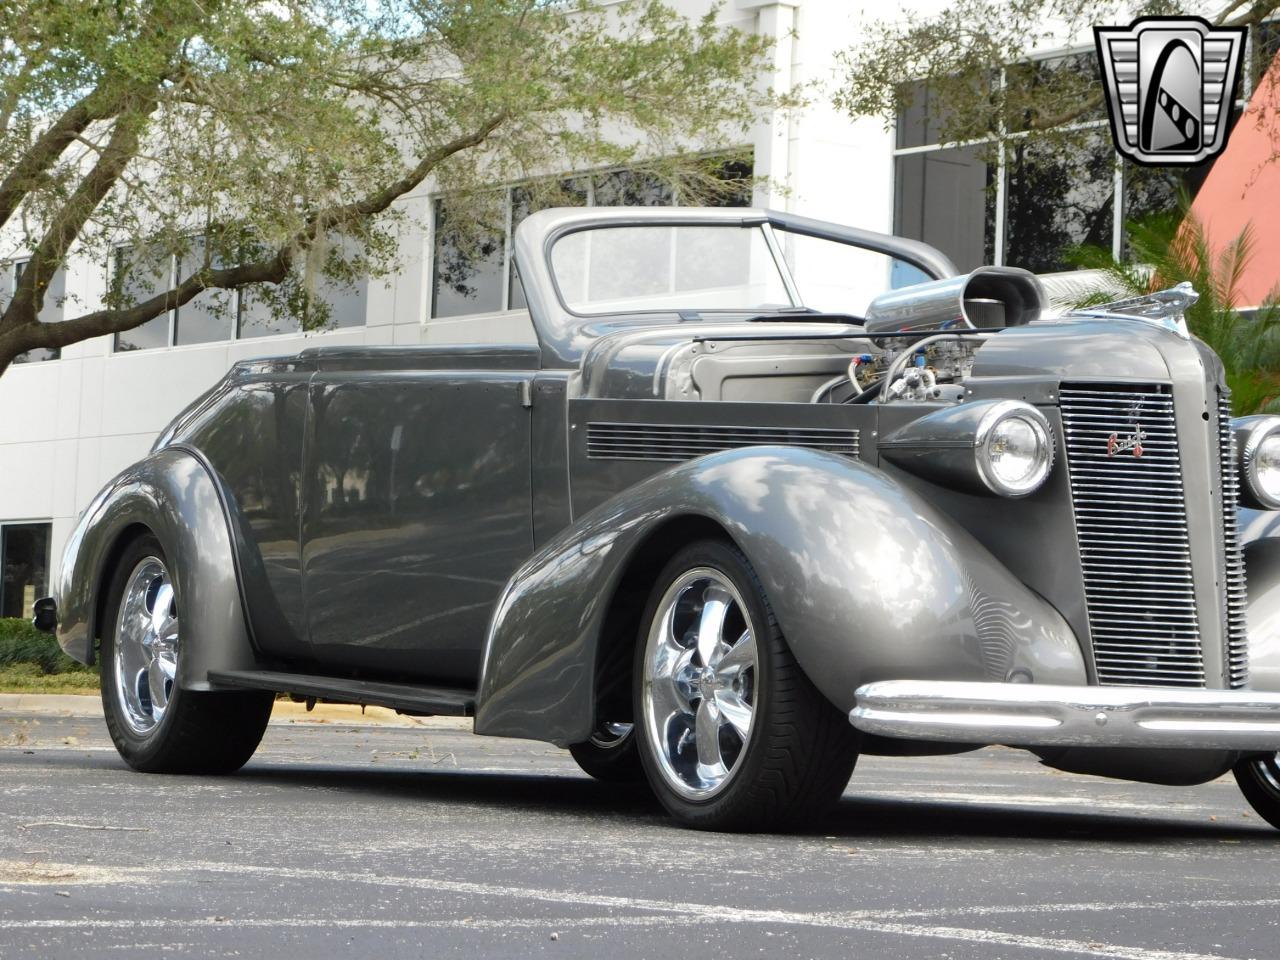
773, 138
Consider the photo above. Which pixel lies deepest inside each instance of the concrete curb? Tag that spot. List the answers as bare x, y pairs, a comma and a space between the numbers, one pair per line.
285, 711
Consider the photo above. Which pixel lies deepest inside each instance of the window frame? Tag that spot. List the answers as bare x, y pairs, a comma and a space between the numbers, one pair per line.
237, 319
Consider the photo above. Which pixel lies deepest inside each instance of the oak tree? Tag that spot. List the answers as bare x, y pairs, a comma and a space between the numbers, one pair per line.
267, 142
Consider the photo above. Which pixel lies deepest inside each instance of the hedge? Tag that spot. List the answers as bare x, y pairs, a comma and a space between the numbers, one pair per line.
20, 642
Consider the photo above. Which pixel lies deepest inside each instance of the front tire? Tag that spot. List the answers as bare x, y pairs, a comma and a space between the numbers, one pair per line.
732, 734
157, 726
1259, 780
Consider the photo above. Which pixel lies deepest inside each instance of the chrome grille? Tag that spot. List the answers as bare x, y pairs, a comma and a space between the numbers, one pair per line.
1236, 601
1131, 523
676, 442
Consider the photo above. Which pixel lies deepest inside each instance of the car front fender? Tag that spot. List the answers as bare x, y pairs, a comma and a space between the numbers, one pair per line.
172, 494
867, 581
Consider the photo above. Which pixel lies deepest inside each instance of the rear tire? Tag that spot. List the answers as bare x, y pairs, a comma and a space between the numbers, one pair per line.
1259, 780
732, 734
157, 726
610, 755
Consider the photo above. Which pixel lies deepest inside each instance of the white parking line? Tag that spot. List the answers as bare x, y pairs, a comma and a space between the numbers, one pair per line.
854, 921
660, 913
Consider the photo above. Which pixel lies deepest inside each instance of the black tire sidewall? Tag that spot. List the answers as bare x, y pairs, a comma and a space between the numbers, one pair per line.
733, 802
617, 763
139, 750
1262, 796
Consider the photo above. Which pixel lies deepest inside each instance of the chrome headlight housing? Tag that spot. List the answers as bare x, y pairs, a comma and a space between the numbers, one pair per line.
1258, 444
1014, 449
1003, 447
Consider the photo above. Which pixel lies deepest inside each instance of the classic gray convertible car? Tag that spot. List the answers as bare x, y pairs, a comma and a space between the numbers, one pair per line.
726, 525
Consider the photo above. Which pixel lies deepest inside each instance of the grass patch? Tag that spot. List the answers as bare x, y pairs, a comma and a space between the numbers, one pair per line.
29, 678
32, 662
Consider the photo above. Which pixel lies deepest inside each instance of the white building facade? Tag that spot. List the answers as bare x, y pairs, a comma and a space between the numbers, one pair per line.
71, 423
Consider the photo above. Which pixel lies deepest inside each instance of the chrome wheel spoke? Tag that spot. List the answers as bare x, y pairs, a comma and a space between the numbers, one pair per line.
734, 712
696, 685
715, 607
738, 657
164, 621
707, 737
160, 683
146, 646
666, 698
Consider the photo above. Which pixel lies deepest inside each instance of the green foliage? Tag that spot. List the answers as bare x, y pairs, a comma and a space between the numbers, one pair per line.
23, 644
278, 142
1169, 248
968, 65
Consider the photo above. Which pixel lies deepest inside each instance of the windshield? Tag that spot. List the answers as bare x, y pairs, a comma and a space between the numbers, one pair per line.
663, 267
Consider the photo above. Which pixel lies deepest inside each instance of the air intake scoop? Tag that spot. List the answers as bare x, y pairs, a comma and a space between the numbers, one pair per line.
988, 297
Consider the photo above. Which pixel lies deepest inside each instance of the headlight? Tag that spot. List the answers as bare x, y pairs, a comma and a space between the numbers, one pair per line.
1258, 442
1003, 447
1014, 450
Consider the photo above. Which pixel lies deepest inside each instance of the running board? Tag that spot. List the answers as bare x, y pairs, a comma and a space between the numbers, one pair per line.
429, 701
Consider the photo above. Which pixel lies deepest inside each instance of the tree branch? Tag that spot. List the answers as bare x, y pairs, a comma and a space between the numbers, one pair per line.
71, 218
104, 322
19, 336
325, 220
48, 147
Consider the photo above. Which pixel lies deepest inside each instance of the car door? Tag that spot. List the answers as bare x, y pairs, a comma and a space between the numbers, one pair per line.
417, 511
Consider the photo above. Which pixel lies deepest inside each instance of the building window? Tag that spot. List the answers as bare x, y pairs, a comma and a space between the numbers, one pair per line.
24, 561
51, 312
473, 268
1026, 202
215, 316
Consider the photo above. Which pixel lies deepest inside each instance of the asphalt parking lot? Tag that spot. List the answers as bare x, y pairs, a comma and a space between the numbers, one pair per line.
423, 841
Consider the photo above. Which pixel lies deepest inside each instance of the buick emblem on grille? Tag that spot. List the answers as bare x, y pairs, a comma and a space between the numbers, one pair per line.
1117, 444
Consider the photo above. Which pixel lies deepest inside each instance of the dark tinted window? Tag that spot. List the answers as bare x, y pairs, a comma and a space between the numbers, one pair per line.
1056, 198
24, 565
632, 188
137, 279
946, 198
468, 266
210, 315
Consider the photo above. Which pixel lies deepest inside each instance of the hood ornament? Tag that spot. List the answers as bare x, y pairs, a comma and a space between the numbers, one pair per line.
1164, 308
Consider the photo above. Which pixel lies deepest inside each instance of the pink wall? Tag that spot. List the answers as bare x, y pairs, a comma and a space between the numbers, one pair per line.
1244, 187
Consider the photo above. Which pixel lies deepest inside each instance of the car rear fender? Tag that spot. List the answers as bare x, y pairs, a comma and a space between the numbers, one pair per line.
173, 494
866, 579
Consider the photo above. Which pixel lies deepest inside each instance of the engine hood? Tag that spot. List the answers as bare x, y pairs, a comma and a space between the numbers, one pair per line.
1090, 348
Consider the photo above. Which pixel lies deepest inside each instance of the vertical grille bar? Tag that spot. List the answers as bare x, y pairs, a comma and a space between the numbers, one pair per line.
1122, 456
1236, 599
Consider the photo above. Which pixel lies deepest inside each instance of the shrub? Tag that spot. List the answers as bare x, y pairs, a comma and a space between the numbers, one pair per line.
20, 642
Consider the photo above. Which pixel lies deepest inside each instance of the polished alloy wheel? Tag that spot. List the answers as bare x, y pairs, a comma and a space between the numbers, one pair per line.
699, 687
610, 735
146, 646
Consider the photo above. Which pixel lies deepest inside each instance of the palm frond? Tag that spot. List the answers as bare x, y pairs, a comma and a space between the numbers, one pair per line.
1171, 247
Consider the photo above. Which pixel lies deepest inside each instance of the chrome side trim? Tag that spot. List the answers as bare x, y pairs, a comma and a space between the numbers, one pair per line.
1032, 715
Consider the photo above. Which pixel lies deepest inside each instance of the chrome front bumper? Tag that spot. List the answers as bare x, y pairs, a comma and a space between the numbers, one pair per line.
1033, 715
